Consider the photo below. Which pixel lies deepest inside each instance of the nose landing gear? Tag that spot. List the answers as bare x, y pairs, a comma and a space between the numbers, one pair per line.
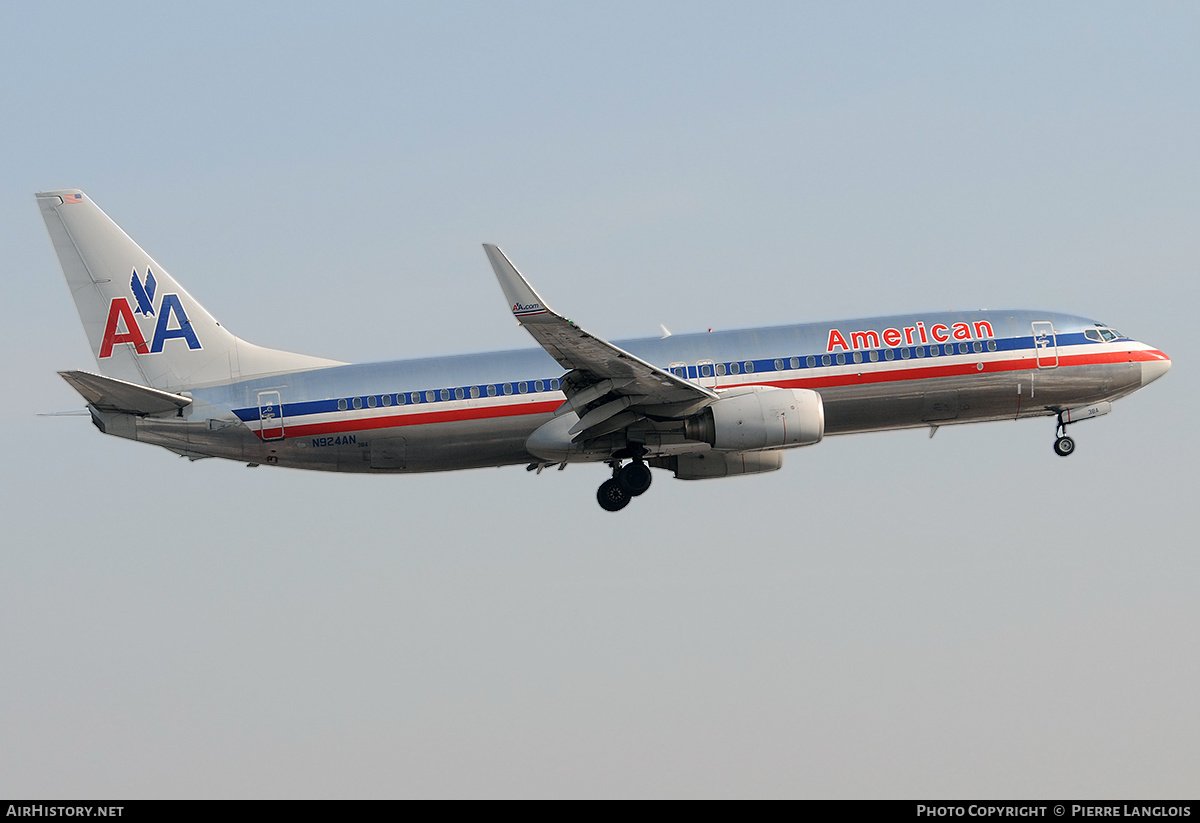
1063, 446
626, 483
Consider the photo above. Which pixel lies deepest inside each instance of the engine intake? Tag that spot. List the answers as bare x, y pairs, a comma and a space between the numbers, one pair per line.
763, 419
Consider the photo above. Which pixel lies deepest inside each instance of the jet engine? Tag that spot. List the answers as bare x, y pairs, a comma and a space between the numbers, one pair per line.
763, 419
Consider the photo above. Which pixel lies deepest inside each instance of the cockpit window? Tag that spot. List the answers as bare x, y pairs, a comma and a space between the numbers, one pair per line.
1093, 334
1105, 332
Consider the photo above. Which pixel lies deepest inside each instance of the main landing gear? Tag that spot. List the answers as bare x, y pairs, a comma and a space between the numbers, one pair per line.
626, 483
1063, 446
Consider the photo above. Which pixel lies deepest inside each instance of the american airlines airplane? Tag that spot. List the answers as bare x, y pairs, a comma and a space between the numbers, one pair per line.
711, 405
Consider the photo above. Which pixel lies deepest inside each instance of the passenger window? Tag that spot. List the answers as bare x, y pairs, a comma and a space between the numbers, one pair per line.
734, 368
508, 388
934, 351
387, 400
858, 357
554, 384
458, 394
991, 345
416, 397
795, 362
811, 361
371, 401
474, 392
706, 371
445, 394
873, 357
491, 389
905, 354
522, 387
977, 346
720, 369
400, 399
342, 405
430, 396
841, 359
778, 364
357, 402
825, 360
889, 354
538, 385
749, 366
920, 351
963, 348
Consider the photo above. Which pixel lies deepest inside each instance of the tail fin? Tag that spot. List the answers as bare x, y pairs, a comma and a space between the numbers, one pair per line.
142, 326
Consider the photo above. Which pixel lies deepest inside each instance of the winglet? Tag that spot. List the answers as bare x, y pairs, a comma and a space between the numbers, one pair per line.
599, 368
526, 304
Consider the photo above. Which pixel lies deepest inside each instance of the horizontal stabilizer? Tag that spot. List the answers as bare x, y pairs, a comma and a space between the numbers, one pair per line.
112, 395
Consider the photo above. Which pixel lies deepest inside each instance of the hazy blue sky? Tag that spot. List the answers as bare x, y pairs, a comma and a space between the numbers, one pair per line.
887, 616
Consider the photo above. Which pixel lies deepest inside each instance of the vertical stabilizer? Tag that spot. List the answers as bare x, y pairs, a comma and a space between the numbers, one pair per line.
142, 326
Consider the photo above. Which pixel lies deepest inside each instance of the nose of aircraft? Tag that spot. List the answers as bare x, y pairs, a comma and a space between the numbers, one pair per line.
1154, 369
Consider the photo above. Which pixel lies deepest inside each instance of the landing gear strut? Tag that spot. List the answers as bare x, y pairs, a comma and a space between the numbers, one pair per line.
626, 483
1063, 446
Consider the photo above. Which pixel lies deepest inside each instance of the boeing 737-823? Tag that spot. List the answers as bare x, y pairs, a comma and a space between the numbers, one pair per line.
708, 405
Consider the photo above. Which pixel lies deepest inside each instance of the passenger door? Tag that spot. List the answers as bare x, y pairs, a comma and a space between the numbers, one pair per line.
270, 415
1045, 344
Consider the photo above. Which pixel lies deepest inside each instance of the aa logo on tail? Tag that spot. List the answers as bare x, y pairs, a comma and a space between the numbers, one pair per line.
144, 294
121, 315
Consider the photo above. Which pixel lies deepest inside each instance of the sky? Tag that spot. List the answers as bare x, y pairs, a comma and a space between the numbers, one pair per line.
888, 616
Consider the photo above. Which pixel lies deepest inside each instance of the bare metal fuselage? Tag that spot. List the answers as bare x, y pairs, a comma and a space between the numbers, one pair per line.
479, 410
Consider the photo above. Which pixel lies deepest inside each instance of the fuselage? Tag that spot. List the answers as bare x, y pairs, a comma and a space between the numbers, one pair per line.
477, 410
700, 406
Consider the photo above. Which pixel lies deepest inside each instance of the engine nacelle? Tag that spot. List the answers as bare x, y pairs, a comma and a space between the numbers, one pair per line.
721, 464
763, 419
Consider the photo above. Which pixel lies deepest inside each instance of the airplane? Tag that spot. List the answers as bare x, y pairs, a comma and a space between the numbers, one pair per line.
709, 405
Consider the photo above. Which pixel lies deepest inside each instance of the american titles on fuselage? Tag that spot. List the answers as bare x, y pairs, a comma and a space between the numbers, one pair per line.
121, 314
913, 335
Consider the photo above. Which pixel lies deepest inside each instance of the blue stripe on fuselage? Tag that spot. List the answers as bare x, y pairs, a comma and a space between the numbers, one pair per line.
317, 391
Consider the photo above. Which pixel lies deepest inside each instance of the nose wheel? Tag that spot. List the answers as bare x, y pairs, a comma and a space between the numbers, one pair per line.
626, 483
1063, 446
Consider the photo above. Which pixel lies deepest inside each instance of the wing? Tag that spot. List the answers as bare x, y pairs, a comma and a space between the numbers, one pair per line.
608, 387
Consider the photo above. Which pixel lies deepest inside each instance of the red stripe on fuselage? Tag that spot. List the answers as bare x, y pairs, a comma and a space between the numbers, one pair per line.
393, 421
958, 369
892, 375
